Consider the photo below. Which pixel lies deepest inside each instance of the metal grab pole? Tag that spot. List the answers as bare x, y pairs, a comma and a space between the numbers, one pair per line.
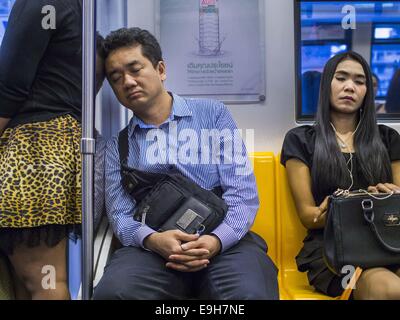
88, 144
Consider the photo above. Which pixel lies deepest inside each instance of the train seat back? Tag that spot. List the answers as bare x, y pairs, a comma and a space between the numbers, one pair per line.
291, 234
266, 219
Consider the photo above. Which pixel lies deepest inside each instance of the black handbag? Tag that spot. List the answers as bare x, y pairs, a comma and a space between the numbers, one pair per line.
362, 230
177, 204
167, 201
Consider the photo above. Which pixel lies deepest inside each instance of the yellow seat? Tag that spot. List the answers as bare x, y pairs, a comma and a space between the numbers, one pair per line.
290, 234
266, 223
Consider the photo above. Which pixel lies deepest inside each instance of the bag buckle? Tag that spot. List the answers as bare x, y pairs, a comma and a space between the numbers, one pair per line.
201, 229
368, 206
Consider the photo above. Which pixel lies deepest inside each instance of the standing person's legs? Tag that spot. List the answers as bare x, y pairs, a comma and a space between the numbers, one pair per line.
40, 180
34, 267
137, 274
244, 272
21, 292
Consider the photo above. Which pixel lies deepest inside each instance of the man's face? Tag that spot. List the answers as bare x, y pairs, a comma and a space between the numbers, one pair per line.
134, 79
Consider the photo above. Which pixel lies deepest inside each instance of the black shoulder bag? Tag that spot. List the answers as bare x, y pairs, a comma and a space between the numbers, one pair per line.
170, 201
362, 230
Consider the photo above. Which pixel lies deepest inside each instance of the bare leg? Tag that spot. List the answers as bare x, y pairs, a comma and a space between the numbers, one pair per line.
42, 270
378, 284
21, 292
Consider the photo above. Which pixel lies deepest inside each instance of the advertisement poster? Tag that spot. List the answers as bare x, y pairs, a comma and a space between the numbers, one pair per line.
213, 48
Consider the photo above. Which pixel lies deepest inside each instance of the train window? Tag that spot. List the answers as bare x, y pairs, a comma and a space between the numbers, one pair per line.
371, 28
5, 8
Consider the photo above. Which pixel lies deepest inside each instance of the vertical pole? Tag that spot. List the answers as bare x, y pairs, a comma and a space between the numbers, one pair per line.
88, 144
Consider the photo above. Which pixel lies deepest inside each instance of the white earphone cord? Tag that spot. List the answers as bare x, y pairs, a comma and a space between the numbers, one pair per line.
351, 155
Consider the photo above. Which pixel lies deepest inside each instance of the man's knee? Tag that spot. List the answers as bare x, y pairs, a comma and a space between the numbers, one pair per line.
249, 290
267, 289
114, 289
258, 283
269, 294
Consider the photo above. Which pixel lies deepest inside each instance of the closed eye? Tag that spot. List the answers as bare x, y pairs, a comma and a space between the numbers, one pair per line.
115, 79
136, 70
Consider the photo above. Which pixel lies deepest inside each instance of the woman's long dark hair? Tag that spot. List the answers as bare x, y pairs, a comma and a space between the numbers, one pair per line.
329, 170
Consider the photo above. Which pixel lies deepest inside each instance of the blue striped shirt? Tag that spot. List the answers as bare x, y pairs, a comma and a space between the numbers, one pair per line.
186, 142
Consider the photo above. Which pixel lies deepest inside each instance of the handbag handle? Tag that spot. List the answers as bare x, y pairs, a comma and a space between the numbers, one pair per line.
369, 216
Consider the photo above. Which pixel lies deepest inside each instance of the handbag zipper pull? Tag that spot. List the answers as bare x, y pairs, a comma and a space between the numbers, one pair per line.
144, 214
338, 193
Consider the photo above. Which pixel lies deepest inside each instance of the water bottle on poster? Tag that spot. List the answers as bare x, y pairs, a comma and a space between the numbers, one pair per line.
209, 32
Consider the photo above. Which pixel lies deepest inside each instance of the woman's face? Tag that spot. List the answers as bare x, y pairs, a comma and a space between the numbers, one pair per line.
348, 87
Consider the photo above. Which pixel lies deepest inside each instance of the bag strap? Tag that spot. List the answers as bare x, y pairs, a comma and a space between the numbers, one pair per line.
137, 176
123, 147
369, 216
129, 178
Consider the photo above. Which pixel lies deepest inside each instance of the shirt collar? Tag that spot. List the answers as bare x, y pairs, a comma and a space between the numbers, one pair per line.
179, 109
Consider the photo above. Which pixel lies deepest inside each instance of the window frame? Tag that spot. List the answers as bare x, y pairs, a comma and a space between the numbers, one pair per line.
299, 117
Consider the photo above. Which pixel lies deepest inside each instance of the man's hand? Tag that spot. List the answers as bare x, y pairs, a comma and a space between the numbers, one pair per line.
189, 260
168, 243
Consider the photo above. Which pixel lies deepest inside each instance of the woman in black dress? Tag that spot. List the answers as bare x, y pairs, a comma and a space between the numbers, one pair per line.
346, 149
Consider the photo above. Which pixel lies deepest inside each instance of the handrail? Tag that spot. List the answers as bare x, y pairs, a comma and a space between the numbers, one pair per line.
88, 144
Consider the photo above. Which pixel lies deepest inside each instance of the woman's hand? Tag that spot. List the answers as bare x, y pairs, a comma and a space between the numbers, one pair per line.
384, 188
321, 210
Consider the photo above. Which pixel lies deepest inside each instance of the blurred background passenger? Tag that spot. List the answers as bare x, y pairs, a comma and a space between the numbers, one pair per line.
393, 94
380, 107
310, 91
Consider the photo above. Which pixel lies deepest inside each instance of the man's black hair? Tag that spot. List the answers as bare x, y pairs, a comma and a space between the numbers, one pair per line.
100, 46
132, 37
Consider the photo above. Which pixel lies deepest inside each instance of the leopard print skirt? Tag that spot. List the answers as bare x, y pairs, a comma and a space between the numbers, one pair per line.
40, 181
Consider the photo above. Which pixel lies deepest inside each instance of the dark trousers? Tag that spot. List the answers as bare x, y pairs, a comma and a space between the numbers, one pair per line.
241, 273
